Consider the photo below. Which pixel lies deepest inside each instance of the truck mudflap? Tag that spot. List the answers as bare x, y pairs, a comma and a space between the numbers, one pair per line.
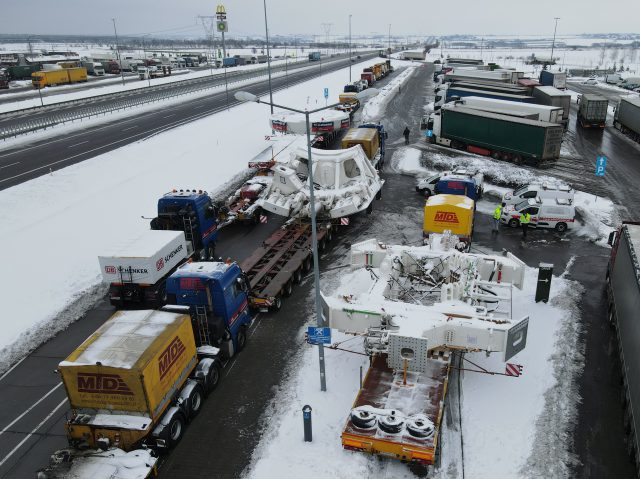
112, 463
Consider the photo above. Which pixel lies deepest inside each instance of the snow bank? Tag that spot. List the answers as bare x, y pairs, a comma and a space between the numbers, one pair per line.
406, 160
374, 108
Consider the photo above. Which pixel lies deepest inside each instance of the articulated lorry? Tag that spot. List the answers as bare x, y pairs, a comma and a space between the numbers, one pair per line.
502, 137
93, 68
554, 79
623, 292
551, 114
62, 76
551, 96
627, 117
455, 93
592, 111
498, 76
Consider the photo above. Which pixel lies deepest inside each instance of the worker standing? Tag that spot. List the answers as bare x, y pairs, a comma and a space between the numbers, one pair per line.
496, 217
406, 133
525, 219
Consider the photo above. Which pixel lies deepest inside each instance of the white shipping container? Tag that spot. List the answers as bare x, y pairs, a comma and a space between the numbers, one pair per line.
144, 259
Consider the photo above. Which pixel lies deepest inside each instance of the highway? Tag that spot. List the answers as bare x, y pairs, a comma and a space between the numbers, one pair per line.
221, 441
29, 160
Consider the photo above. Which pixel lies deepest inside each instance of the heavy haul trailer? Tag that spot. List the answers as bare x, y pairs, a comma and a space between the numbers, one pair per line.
273, 268
411, 434
623, 292
627, 117
592, 111
500, 136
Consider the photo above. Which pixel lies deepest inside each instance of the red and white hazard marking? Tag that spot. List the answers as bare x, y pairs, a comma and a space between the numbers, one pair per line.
513, 370
344, 221
263, 218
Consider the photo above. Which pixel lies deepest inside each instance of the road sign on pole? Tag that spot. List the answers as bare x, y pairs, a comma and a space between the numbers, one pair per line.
319, 335
601, 165
326, 93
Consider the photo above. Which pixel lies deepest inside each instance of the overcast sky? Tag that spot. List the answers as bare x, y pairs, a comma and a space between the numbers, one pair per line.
246, 17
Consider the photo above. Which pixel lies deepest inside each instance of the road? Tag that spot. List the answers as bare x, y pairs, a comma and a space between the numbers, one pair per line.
233, 419
26, 161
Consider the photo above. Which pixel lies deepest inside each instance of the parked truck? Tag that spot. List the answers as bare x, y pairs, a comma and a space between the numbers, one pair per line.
623, 293
592, 111
555, 79
551, 114
460, 74
314, 56
627, 117
453, 93
93, 68
372, 137
369, 77
4, 79
62, 76
492, 134
112, 67
21, 72
548, 95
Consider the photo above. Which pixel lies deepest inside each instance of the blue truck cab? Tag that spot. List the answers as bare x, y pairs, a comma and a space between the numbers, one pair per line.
193, 212
216, 294
458, 185
382, 136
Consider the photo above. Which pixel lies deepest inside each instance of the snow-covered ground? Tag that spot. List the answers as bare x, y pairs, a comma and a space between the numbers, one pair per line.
375, 107
56, 225
505, 420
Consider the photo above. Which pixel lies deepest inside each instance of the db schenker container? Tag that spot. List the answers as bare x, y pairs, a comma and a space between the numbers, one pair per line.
627, 118
592, 111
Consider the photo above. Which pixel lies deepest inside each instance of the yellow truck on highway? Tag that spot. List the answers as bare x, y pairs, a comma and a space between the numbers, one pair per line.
452, 213
63, 76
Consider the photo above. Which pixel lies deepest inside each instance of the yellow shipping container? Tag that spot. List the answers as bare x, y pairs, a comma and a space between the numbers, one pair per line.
133, 363
449, 212
77, 74
58, 77
366, 137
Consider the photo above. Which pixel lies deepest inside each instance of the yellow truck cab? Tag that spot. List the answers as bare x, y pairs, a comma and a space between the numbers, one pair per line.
452, 213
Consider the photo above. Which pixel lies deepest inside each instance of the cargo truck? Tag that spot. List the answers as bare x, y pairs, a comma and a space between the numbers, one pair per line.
111, 66
555, 79
623, 293
491, 134
548, 95
314, 56
21, 72
460, 74
369, 77
4, 79
592, 111
454, 93
58, 77
446, 212
372, 137
627, 117
93, 68
551, 114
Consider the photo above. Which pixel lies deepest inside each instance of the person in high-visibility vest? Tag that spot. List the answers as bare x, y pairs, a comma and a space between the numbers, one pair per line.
496, 217
525, 219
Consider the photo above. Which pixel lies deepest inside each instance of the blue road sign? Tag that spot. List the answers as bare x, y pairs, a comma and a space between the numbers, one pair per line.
326, 93
601, 165
319, 335
429, 133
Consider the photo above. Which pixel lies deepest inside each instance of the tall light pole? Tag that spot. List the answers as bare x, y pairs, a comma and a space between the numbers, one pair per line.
266, 31
350, 48
146, 66
115, 31
246, 96
389, 49
553, 44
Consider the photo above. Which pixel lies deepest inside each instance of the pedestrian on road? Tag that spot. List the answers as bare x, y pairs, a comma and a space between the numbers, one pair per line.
496, 217
525, 219
406, 135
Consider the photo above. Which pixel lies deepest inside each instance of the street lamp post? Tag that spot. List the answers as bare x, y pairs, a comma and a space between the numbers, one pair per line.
115, 31
553, 44
246, 96
350, 48
266, 30
389, 48
146, 66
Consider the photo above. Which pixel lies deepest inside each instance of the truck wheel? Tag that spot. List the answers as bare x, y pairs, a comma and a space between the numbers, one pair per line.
561, 227
176, 430
213, 378
195, 401
329, 235
379, 194
242, 338
322, 245
211, 251
288, 288
297, 276
513, 223
307, 264
426, 192
277, 304
370, 208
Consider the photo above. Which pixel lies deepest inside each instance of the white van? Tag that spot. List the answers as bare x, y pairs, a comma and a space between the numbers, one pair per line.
543, 190
426, 186
557, 213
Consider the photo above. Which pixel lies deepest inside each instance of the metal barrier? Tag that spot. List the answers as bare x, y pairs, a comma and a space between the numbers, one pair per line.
19, 122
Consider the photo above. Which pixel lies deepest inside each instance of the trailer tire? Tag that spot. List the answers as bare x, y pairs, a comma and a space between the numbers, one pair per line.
211, 251
213, 378
513, 223
297, 276
242, 338
379, 194
370, 208
175, 430
329, 235
561, 227
307, 264
277, 304
288, 288
196, 398
322, 244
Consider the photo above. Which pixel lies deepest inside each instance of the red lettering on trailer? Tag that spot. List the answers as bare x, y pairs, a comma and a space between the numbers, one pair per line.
159, 264
110, 269
446, 217
170, 355
97, 383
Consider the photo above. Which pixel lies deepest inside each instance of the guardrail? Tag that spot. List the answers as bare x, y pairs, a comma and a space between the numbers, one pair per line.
19, 122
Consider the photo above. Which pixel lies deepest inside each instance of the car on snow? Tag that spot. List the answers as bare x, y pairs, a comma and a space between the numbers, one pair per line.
590, 81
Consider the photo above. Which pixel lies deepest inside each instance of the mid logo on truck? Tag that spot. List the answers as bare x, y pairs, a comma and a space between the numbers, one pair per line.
446, 217
97, 383
170, 355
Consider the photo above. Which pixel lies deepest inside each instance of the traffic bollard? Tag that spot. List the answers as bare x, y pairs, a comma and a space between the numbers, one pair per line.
545, 273
306, 419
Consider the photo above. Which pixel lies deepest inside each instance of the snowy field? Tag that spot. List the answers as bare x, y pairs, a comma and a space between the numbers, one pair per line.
502, 442
87, 207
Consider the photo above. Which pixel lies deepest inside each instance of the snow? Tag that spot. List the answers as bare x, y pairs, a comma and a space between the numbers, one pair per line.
375, 107
64, 220
504, 442
125, 421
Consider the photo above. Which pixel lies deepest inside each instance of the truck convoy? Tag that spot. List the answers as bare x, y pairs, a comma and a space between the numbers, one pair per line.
62, 76
623, 293
627, 117
592, 111
491, 134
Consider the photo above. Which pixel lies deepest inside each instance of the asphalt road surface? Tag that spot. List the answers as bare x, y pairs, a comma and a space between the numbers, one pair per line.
26, 161
222, 439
